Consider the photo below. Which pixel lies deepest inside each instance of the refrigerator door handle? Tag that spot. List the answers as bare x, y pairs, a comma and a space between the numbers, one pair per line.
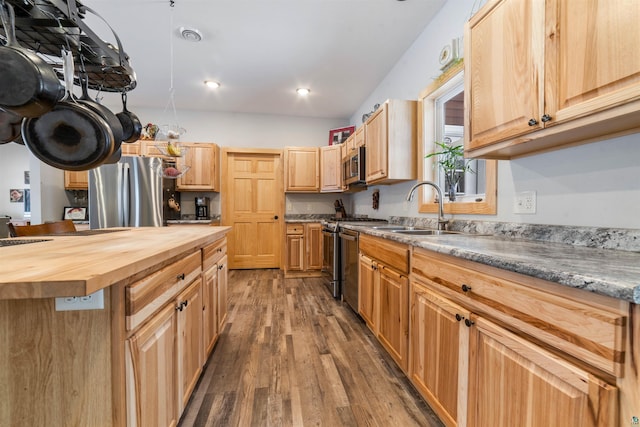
125, 178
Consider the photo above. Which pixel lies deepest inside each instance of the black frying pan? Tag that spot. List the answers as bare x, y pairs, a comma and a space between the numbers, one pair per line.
29, 87
9, 127
102, 111
71, 136
131, 126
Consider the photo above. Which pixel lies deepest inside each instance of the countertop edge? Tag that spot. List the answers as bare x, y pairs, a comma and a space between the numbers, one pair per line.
611, 287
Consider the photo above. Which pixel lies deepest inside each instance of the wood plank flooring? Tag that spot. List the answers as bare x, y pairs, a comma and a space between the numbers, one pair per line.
290, 355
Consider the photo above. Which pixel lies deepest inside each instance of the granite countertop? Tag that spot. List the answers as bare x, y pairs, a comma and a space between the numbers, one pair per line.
190, 221
609, 272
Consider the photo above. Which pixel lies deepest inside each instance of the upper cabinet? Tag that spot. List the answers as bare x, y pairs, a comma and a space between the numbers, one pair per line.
391, 143
76, 180
131, 148
203, 160
302, 169
542, 75
331, 168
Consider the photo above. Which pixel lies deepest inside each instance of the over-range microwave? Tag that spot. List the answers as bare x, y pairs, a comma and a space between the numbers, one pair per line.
353, 168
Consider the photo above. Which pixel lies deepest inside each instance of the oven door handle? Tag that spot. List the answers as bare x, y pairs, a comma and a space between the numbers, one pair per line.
352, 237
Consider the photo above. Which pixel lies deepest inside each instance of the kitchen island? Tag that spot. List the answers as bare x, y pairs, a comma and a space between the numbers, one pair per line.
134, 361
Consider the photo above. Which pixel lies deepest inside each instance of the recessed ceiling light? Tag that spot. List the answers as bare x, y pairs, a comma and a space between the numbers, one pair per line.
303, 91
190, 34
211, 84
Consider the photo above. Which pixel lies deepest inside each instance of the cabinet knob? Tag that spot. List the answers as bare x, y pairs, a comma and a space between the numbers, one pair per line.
179, 307
275, 217
546, 118
466, 288
532, 122
468, 322
221, 266
458, 317
180, 276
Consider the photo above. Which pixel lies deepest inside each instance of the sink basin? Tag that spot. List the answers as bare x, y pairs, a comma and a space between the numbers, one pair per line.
391, 227
425, 232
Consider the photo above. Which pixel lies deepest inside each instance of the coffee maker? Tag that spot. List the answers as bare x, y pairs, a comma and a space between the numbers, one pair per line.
202, 208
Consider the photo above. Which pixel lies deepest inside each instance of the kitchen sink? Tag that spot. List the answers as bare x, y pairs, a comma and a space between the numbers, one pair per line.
418, 232
391, 227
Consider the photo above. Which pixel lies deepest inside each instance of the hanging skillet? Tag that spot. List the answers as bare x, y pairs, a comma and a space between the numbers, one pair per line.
131, 126
71, 136
102, 111
29, 87
10, 127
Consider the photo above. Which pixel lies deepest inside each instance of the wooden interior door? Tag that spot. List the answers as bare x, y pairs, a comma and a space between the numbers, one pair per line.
253, 205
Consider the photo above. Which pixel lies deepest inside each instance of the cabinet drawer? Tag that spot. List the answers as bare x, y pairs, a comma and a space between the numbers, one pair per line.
213, 253
577, 323
145, 297
297, 228
392, 254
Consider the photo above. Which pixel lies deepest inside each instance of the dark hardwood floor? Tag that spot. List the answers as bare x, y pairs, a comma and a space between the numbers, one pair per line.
290, 355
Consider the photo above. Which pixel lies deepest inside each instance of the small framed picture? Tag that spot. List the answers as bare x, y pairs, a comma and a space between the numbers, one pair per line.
340, 135
76, 214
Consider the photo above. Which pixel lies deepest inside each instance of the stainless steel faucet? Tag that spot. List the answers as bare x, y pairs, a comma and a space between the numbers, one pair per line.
442, 222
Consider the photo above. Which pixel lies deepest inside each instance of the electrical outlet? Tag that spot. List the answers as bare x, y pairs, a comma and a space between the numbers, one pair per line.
525, 202
309, 207
289, 206
94, 301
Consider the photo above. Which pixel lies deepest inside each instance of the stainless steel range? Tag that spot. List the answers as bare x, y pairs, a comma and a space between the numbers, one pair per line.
334, 262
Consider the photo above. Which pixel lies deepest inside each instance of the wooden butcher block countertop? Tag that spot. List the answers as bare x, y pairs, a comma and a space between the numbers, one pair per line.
84, 262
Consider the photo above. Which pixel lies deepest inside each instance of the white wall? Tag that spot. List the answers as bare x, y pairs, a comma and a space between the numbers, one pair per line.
15, 161
596, 184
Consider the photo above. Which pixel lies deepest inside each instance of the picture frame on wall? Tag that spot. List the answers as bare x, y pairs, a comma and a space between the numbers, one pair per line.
340, 135
75, 213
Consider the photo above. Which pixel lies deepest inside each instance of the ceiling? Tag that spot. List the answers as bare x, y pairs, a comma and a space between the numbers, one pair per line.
262, 50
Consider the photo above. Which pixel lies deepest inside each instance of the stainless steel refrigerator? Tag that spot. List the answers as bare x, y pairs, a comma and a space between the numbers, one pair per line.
129, 193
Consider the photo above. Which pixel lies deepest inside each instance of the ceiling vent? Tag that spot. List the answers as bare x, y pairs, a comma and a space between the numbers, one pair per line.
190, 34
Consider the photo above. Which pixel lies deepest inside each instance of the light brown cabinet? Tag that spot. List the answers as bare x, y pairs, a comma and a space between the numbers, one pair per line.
203, 160
542, 75
390, 142
189, 339
302, 169
331, 168
76, 180
214, 293
384, 294
153, 397
303, 249
473, 358
131, 148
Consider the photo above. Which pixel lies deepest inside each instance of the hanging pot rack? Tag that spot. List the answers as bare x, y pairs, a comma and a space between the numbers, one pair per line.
47, 26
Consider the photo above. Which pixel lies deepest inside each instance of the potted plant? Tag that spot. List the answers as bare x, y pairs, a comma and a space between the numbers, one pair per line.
451, 160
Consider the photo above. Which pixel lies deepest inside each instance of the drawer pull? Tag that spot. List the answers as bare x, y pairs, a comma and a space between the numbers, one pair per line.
179, 307
180, 276
458, 317
221, 266
466, 288
468, 322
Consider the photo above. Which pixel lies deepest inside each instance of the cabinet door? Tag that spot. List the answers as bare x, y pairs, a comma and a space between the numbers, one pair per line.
592, 60
394, 313
313, 236
189, 305
377, 145
512, 382
367, 289
152, 394
359, 138
302, 169
130, 148
503, 71
331, 168
439, 351
76, 180
223, 271
295, 252
210, 309
203, 172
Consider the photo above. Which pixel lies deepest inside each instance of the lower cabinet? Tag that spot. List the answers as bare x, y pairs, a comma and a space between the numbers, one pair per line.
175, 315
151, 369
383, 286
303, 249
475, 369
